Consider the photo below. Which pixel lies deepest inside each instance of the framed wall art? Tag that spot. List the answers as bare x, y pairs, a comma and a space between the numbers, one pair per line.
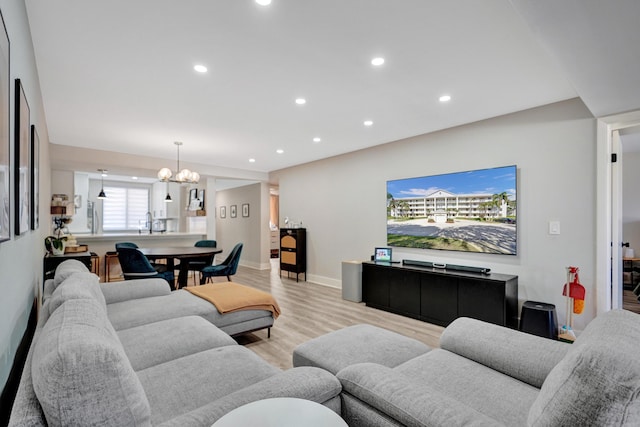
223, 211
245, 210
35, 179
234, 211
201, 198
193, 205
22, 176
5, 141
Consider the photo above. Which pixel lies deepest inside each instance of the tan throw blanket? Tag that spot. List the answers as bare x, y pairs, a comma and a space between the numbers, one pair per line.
229, 296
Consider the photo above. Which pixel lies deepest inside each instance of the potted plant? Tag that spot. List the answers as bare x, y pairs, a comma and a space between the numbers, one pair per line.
55, 245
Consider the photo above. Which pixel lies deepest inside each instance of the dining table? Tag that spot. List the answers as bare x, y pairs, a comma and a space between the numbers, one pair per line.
185, 254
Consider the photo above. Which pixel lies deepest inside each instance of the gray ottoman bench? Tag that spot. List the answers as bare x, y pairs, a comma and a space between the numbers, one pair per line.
357, 344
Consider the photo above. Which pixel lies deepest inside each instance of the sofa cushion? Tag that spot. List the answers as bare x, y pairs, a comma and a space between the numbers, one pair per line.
66, 269
201, 378
159, 342
79, 285
308, 383
522, 356
411, 403
80, 372
488, 391
128, 314
598, 381
134, 289
357, 344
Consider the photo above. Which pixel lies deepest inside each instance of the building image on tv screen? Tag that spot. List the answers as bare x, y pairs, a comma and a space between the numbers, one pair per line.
472, 211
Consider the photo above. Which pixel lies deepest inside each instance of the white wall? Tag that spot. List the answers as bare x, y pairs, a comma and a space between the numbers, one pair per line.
252, 231
21, 257
342, 200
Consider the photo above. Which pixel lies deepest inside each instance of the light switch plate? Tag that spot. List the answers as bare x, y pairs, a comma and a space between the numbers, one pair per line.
554, 227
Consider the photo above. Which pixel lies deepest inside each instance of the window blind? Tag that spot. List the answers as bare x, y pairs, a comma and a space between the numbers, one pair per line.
124, 208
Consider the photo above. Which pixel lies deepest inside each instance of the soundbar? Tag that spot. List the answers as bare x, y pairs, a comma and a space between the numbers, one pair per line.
446, 266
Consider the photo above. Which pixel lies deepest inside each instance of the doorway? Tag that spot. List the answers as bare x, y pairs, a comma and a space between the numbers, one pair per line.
630, 194
609, 207
274, 222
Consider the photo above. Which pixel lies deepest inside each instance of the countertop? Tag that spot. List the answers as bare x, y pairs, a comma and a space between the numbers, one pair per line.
143, 236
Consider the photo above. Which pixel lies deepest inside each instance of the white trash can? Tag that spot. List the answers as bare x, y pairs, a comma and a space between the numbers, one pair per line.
352, 281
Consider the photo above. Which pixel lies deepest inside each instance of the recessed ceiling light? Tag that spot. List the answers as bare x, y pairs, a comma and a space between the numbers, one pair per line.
279, 151
368, 122
252, 160
134, 177
445, 98
263, 2
301, 101
377, 61
316, 139
200, 68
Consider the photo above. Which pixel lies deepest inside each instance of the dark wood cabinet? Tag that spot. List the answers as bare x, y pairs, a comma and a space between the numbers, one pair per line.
293, 251
51, 262
439, 299
406, 302
440, 296
377, 293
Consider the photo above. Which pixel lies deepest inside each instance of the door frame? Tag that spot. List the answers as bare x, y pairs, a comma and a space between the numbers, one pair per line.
608, 227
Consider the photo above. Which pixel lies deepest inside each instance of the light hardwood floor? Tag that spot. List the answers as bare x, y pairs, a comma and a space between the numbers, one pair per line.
630, 302
310, 310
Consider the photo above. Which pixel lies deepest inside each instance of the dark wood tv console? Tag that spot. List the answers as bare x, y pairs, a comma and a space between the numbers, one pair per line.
438, 295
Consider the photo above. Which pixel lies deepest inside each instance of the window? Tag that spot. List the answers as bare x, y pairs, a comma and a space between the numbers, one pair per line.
125, 208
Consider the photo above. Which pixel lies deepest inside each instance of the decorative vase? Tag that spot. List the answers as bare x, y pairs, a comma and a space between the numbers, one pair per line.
55, 245
58, 251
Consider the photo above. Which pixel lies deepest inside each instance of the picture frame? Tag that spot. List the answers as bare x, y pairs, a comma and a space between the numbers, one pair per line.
193, 204
193, 195
223, 211
35, 180
22, 175
234, 211
245, 210
201, 198
5, 139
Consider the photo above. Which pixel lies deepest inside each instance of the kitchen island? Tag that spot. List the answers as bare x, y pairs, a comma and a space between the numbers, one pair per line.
103, 243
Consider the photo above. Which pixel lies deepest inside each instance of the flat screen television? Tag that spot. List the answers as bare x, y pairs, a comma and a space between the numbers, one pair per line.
471, 211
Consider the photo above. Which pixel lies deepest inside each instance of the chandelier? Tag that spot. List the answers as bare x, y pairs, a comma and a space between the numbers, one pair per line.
182, 176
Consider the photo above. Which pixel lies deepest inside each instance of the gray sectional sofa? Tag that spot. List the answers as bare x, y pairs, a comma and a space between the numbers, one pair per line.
96, 359
487, 375
138, 302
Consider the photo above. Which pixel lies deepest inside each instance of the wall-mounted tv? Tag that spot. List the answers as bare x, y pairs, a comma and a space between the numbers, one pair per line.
472, 211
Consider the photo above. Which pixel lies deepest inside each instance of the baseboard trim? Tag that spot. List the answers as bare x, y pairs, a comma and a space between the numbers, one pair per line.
256, 265
325, 281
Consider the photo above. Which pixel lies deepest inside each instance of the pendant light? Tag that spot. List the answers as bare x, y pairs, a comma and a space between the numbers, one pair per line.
101, 194
168, 199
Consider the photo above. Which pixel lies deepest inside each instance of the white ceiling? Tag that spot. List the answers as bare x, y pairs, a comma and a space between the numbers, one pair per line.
118, 75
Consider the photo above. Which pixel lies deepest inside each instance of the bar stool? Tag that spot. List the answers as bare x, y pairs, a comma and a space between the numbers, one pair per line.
95, 263
108, 259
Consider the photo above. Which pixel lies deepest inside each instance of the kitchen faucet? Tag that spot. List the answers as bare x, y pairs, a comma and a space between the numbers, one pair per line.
149, 222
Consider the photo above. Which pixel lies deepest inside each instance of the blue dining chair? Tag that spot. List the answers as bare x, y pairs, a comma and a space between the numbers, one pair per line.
126, 245
196, 265
136, 266
160, 268
228, 267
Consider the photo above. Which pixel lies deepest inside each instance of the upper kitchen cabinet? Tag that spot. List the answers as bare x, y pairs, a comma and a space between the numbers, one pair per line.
163, 209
